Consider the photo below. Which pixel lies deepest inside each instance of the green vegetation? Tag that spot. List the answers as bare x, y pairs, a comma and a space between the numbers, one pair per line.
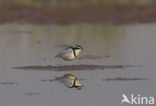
75, 2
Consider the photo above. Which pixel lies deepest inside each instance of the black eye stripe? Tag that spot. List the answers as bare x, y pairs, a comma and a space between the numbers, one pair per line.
77, 48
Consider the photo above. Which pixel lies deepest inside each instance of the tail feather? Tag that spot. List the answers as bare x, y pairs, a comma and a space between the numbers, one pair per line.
57, 56
57, 77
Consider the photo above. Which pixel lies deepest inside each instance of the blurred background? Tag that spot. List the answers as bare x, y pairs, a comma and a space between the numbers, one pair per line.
73, 3
77, 11
117, 35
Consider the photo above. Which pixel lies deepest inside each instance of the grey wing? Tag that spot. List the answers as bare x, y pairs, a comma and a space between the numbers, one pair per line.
65, 53
69, 83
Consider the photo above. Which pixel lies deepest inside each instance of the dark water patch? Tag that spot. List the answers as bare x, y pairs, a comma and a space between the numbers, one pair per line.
38, 42
32, 93
44, 59
124, 79
48, 80
93, 57
75, 67
9, 83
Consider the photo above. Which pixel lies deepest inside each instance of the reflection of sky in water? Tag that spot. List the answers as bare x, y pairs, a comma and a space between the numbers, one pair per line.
28, 45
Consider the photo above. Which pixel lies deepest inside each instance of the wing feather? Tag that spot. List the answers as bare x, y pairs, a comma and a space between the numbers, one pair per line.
65, 53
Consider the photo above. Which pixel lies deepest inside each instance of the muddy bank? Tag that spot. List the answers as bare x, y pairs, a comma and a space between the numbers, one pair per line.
114, 14
75, 67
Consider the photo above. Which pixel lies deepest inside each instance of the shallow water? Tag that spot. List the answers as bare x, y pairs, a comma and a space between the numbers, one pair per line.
105, 45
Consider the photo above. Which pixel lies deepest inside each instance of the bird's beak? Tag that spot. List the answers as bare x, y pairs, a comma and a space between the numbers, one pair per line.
82, 49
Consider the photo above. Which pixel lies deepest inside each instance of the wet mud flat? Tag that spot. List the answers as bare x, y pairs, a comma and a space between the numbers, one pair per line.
75, 67
112, 14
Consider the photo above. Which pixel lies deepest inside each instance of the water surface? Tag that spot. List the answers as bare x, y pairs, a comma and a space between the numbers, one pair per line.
105, 45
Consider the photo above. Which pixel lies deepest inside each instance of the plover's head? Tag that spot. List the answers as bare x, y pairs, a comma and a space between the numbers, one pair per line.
78, 47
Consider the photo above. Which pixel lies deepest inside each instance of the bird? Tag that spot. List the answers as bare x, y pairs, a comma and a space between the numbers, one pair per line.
70, 81
70, 53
